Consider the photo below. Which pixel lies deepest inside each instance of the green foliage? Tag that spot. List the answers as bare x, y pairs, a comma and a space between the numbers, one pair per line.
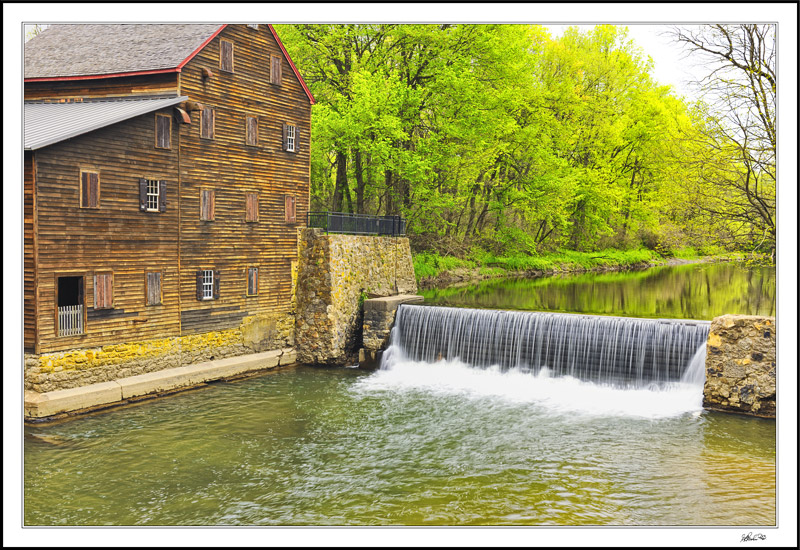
503, 138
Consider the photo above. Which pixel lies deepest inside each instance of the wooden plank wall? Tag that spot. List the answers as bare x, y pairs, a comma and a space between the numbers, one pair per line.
29, 264
229, 243
116, 237
156, 84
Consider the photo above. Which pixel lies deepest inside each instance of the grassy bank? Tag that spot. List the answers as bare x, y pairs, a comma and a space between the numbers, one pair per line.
431, 268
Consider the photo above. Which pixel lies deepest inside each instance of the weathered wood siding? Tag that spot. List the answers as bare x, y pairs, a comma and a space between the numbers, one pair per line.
29, 264
232, 168
115, 238
155, 84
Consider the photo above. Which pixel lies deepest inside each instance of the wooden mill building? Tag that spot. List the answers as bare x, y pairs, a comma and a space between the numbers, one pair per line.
166, 174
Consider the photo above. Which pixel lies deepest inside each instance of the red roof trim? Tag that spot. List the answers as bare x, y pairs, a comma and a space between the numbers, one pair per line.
203, 45
291, 64
133, 73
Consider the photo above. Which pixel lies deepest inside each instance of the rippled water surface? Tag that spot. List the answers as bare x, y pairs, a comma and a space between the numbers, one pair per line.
429, 444
420, 444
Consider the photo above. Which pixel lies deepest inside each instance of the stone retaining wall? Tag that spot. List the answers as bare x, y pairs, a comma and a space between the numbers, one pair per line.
741, 365
335, 274
82, 367
379, 314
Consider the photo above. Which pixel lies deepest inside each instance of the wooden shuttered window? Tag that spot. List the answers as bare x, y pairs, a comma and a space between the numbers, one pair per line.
163, 131
103, 291
251, 128
252, 281
90, 190
153, 287
207, 204
207, 284
291, 137
226, 56
251, 207
207, 123
275, 74
290, 202
152, 195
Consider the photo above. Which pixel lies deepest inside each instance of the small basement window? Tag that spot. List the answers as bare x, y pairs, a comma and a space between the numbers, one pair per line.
252, 281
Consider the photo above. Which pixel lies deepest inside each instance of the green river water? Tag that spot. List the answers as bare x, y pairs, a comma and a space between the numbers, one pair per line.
428, 444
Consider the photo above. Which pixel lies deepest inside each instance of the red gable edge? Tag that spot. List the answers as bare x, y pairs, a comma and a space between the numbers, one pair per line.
179, 67
291, 64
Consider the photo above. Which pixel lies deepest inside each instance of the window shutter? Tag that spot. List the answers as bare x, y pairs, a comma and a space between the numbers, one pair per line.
297, 139
142, 194
94, 189
226, 56
199, 276
162, 195
109, 291
98, 292
285, 137
275, 73
153, 288
290, 209
252, 130
216, 284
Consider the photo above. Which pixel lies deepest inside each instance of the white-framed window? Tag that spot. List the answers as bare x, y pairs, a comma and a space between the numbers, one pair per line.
208, 284
253, 25
290, 137
152, 195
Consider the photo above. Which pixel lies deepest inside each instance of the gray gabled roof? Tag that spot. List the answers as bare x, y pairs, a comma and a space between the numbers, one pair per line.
49, 123
88, 50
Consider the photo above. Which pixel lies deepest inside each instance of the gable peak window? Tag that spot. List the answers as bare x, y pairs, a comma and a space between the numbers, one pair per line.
253, 25
226, 56
163, 131
90, 190
275, 73
152, 195
207, 123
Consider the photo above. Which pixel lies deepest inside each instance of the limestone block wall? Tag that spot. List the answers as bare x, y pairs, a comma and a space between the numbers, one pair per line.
740, 365
334, 275
81, 367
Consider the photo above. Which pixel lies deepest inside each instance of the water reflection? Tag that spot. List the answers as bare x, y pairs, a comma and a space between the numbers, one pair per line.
692, 291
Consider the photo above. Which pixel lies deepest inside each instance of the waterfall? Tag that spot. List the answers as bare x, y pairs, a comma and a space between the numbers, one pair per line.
617, 351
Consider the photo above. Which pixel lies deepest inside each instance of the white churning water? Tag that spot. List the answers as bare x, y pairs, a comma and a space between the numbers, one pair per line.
562, 362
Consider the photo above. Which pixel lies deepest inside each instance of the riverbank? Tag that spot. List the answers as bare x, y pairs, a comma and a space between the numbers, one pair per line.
434, 271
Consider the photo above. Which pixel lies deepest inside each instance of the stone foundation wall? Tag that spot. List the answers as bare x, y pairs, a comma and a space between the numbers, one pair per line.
379, 314
335, 274
81, 367
740, 365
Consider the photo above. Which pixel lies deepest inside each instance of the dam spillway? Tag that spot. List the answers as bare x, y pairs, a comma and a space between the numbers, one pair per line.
618, 351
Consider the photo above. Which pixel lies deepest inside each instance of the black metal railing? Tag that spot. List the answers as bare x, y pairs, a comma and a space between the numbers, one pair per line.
357, 224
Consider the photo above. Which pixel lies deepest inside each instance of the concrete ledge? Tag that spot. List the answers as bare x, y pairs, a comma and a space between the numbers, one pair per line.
390, 303
41, 405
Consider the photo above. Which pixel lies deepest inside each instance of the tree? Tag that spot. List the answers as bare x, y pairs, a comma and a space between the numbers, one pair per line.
738, 133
